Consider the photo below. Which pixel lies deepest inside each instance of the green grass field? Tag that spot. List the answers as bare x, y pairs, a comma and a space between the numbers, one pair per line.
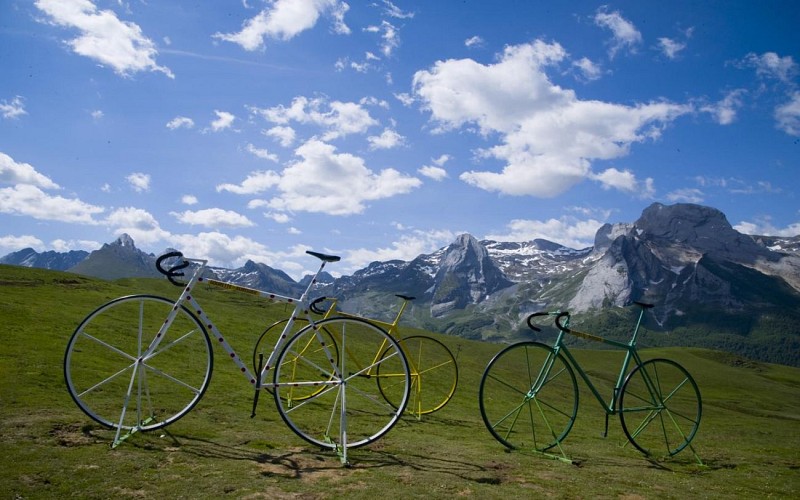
749, 439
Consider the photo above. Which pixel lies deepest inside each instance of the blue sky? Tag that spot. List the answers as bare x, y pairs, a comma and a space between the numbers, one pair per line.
377, 130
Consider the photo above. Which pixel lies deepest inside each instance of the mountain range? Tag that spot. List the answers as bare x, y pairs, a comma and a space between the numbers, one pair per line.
712, 285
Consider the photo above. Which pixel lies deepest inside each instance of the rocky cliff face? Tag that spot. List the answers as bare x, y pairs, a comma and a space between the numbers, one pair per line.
676, 256
466, 275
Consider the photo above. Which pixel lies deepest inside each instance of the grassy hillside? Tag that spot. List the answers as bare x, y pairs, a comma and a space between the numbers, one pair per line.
748, 439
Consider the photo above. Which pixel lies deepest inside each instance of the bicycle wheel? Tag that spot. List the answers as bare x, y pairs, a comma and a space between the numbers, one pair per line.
528, 397
266, 342
120, 380
434, 375
349, 411
660, 407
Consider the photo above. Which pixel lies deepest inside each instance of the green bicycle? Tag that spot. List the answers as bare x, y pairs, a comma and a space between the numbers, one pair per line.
529, 395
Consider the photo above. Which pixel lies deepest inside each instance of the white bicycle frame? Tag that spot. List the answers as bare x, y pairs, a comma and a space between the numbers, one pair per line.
256, 380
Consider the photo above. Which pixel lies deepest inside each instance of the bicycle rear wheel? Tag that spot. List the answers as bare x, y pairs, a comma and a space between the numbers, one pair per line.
116, 379
349, 411
660, 407
434, 375
528, 397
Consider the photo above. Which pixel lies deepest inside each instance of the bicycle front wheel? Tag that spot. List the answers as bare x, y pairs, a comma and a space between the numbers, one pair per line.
119, 377
434, 375
349, 411
528, 397
660, 407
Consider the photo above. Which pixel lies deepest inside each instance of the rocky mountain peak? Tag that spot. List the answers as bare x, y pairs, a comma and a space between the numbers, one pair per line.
124, 241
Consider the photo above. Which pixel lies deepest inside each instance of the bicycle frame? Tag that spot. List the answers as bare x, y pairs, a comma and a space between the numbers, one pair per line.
255, 379
631, 354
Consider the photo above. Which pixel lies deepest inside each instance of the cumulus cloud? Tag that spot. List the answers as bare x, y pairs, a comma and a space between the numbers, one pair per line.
284, 135
670, 47
213, 217
724, 112
140, 182
407, 247
548, 137
588, 69
12, 172
10, 243
104, 37
29, 200
625, 180
323, 180
13, 109
387, 140
474, 41
138, 223
284, 20
788, 115
336, 118
262, 153
771, 65
180, 122
224, 120
189, 199
624, 33
764, 226
568, 230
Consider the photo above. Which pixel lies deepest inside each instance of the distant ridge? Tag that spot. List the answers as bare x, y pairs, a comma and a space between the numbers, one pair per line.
712, 286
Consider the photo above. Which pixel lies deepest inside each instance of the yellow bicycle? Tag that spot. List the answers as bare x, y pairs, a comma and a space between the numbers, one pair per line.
432, 366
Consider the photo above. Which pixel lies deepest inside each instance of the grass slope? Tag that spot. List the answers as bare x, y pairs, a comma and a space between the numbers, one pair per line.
748, 439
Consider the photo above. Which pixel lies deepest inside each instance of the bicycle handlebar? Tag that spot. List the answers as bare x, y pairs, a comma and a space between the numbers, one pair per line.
534, 315
172, 272
558, 322
313, 305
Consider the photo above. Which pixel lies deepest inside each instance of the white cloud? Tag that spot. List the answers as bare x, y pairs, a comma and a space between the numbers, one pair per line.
14, 108
323, 180
11, 243
765, 227
97, 114
286, 19
392, 10
568, 231
724, 111
387, 140
29, 200
189, 199
224, 120
405, 98
279, 217
139, 224
686, 195
264, 154
139, 181
589, 70
213, 217
788, 115
12, 172
474, 41
256, 182
548, 137
406, 248
625, 180
771, 65
390, 37
625, 34
222, 250
670, 47
435, 173
337, 118
180, 122
60, 245
104, 37
284, 135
